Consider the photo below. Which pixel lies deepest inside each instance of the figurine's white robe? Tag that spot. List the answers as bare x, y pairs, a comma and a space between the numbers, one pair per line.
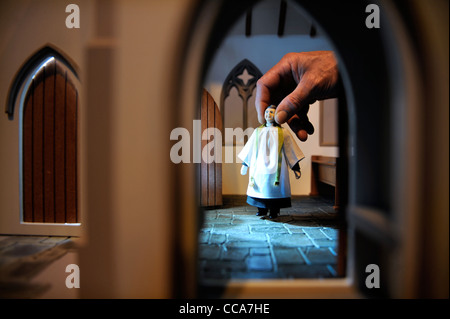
263, 164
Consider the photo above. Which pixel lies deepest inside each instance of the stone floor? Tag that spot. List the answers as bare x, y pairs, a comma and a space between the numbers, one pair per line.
233, 244
301, 243
26, 260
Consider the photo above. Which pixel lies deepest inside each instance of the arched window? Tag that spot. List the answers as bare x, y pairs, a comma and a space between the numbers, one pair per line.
241, 81
48, 121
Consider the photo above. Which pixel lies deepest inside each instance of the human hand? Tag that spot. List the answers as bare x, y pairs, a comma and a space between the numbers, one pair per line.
297, 81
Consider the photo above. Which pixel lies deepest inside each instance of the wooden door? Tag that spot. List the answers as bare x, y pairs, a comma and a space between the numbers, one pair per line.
211, 170
50, 147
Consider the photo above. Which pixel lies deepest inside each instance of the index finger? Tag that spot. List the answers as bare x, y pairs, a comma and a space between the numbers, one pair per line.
271, 86
262, 98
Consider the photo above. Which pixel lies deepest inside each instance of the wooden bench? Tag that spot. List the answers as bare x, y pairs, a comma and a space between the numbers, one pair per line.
323, 171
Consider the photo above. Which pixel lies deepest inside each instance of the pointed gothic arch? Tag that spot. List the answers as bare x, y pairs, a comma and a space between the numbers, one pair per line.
243, 77
45, 91
29, 67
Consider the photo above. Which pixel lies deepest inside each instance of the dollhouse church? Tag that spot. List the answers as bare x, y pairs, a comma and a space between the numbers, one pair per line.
93, 92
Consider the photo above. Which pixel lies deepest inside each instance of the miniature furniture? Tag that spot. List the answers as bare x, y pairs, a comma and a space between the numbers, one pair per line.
323, 172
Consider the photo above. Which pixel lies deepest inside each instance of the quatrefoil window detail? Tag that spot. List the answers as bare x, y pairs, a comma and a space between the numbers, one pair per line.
243, 78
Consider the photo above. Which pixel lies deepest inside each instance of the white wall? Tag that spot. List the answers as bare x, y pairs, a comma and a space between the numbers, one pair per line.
265, 51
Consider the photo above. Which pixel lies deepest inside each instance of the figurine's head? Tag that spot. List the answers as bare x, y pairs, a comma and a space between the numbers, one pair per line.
269, 114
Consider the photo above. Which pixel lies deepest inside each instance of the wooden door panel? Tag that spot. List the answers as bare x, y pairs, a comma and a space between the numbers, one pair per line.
48, 138
71, 153
60, 176
211, 171
50, 147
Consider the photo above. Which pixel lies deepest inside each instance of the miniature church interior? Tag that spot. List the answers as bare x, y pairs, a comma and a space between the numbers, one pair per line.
305, 240
96, 189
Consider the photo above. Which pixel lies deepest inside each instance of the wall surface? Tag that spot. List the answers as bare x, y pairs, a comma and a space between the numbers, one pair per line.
130, 187
126, 52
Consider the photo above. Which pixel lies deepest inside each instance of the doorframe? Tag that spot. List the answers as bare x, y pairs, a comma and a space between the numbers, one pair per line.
12, 223
198, 55
196, 59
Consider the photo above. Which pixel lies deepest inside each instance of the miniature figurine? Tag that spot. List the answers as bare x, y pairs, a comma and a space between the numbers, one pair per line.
268, 152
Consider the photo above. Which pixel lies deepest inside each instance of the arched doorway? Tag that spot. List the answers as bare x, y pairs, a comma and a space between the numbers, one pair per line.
371, 67
45, 93
306, 240
49, 146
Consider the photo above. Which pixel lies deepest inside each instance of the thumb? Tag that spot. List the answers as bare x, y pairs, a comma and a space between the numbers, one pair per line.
294, 103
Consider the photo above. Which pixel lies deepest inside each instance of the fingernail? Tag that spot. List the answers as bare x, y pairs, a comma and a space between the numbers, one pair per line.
281, 117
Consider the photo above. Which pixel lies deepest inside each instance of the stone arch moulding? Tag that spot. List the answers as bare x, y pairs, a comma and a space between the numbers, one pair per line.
29, 66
